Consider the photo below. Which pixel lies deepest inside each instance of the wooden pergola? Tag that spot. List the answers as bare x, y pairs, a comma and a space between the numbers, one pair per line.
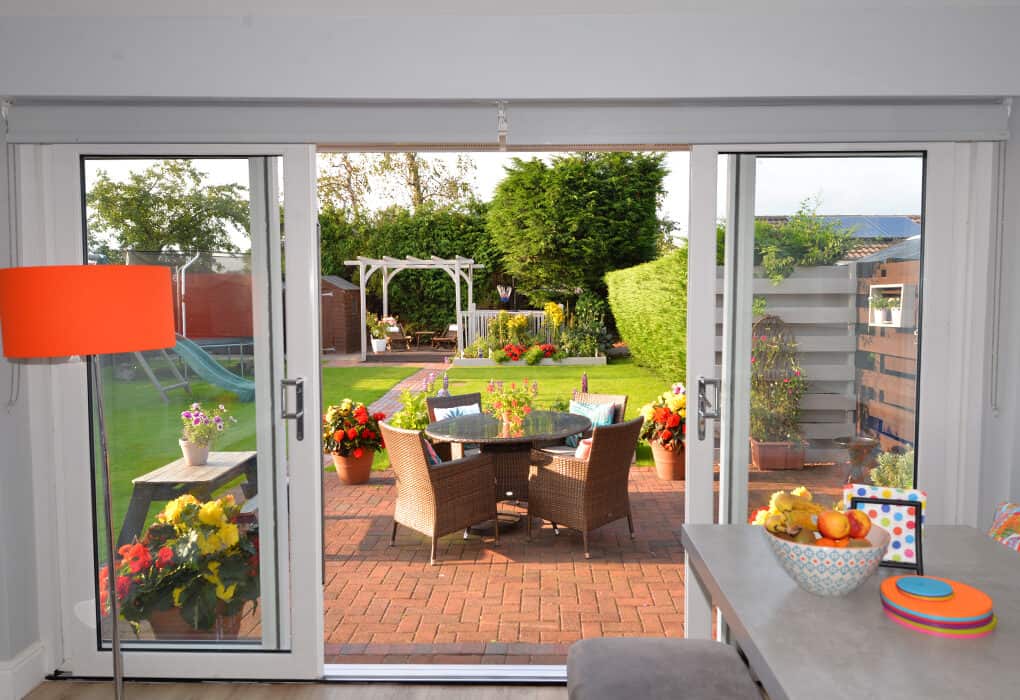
458, 268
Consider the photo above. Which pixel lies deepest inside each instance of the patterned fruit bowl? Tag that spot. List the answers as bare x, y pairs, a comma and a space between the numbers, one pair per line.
829, 571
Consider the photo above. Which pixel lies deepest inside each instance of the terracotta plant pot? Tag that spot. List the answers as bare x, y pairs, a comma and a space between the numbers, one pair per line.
777, 455
354, 470
669, 464
194, 455
169, 624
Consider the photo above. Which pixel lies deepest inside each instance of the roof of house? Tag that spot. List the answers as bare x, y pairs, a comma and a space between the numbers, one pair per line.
867, 225
910, 249
340, 282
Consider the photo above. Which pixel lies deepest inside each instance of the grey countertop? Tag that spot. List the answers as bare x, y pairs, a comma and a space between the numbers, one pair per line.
805, 646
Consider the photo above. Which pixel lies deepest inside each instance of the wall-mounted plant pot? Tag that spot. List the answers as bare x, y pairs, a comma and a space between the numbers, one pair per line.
777, 455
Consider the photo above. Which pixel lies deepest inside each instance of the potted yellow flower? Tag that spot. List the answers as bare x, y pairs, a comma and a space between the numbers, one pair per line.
192, 573
665, 429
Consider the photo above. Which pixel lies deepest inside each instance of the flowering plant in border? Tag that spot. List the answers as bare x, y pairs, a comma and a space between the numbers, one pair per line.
348, 429
509, 404
514, 352
201, 427
198, 557
666, 418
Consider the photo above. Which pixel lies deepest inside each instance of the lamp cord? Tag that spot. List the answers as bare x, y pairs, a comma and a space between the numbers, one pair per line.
14, 391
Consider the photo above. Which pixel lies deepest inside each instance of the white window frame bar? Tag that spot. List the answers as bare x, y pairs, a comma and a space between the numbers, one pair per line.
50, 233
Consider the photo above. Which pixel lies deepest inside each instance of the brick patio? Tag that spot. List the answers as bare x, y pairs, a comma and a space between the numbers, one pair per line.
520, 602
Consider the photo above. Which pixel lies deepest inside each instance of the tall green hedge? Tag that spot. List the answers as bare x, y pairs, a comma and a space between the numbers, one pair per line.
649, 302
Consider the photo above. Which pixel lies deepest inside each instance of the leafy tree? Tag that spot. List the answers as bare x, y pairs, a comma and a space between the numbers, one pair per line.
416, 180
343, 181
165, 208
561, 226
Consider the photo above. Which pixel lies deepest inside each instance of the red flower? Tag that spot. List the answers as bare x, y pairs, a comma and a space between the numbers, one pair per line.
136, 557
123, 586
674, 420
369, 435
661, 414
352, 433
665, 436
378, 416
338, 436
362, 418
164, 557
358, 452
527, 409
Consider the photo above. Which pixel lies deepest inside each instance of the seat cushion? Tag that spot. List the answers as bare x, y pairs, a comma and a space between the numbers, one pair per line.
454, 411
657, 669
559, 450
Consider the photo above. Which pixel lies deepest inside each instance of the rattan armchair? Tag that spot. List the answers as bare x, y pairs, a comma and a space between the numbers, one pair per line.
585, 495
619, 402
447, 450
441, 499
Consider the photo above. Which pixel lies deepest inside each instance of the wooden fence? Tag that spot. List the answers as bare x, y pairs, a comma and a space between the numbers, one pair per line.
820, 306
476, 322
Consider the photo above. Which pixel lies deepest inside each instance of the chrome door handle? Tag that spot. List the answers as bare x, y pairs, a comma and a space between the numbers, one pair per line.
707, 409
299, 395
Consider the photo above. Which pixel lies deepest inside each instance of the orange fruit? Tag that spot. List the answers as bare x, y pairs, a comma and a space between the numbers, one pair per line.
825, 542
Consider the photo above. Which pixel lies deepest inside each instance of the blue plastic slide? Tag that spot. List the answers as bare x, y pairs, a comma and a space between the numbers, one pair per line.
206, 366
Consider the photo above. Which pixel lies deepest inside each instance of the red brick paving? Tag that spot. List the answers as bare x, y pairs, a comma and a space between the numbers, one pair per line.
520, 601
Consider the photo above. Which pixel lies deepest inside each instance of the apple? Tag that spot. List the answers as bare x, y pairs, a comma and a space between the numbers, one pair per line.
833, 524
860, 524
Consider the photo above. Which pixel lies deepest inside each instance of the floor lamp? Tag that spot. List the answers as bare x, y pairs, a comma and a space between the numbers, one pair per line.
88, 310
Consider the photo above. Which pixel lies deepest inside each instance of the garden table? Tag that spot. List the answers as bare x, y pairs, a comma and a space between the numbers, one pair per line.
800, 645
177, 478
511, 453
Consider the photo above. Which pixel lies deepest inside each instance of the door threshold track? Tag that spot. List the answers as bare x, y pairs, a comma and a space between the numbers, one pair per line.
505, 674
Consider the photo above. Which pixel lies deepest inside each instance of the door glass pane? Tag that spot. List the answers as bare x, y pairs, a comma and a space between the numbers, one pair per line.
187, 428
832, 335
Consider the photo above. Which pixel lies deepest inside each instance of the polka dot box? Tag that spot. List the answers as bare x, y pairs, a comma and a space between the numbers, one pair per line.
897, 521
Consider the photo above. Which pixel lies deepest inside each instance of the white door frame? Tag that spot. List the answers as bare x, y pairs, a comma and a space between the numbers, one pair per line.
50, 194
960, 182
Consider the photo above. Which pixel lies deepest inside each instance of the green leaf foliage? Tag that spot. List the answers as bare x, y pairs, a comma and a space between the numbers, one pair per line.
561, 226
649, 302
165, 208
420, 298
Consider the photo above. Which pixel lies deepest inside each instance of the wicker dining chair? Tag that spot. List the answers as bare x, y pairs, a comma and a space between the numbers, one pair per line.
619, 401
585, 494
441, 499
446, 449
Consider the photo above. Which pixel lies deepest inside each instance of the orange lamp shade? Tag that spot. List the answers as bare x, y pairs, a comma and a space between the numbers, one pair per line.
62, 310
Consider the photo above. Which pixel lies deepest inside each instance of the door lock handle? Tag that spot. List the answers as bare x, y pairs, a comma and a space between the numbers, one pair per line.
707, 409
298, 416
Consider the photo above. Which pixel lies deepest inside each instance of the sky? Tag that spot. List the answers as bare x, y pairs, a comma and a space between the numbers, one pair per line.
840, 185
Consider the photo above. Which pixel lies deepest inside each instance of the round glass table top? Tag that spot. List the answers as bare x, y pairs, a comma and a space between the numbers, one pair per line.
482, 428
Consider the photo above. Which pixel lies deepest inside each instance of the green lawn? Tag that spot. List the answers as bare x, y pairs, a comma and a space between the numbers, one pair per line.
143, 431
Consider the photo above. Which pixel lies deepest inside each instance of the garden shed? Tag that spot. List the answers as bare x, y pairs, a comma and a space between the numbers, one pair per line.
339, 315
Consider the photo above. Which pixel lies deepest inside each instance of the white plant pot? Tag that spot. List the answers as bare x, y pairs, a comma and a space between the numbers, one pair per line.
896, 317
378, 344
194, 455
876, 316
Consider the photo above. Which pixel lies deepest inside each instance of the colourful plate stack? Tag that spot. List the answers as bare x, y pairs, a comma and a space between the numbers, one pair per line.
938, 606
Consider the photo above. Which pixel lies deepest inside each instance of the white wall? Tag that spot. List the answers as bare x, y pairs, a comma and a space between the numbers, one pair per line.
640, 49
19, 626
1000, 461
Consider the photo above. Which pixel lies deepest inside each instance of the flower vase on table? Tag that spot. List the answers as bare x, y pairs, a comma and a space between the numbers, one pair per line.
199, 429
509, 404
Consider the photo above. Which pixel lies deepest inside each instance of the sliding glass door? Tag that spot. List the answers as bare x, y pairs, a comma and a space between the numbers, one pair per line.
829, 296
213, 459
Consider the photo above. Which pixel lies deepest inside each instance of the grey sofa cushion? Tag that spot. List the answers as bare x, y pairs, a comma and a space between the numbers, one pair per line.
657, 669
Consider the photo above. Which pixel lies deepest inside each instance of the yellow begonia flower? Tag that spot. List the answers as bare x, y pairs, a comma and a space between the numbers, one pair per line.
647, 411
209, 544
228, 534
225, 593
177, 596
211, 513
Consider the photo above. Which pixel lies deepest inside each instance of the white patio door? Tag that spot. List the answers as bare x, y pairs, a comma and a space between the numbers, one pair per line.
870, 350
108, 204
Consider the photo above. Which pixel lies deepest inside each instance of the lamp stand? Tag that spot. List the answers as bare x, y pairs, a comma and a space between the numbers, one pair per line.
118, 657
